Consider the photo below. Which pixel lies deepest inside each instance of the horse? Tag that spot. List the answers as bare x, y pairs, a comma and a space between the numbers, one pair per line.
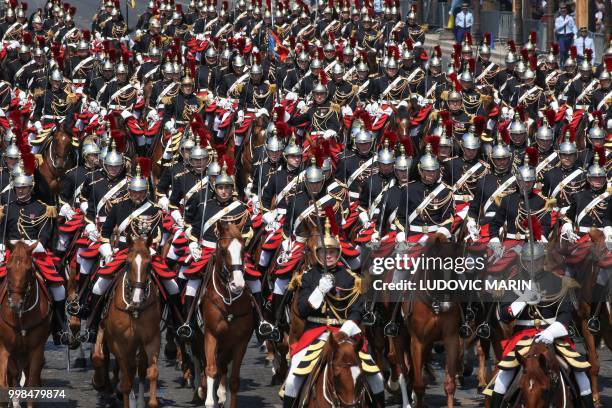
542, 384
25, 320
57, 155
228, 316
130, 329
255, 138
427, 324
336, 380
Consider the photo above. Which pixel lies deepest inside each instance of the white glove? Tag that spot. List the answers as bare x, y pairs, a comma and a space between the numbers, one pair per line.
608, 234
2, 253
347, 111
66, 211
93, 107
178, 218
92, 232
269, 217
517, 307
302, 107
364, 218
473, 229
548, 335
126, 114
84, 206
163, 202
496, 246
329, 133
38, 126
262, 112
240, 117
169, 126
107, 252
325, 284
400, 237
567, 232
350, 328
195, 250
291, 96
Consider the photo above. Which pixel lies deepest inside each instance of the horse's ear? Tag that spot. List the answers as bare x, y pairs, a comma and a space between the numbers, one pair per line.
221, 227
360, 340
331, 341
32, 247
128, 240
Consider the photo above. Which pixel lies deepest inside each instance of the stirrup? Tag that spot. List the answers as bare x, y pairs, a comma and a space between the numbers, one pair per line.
88, 336
465, 331
391, 329
469, 315
275, 335
435, 305
594, 325
74, 308
369, 318
185, 331
265, 329
483, 331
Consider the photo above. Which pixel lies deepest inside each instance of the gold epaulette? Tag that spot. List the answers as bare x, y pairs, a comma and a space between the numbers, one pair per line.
272, 88
37, 93
166, 100
51, 211
335, 107
551, 203
358, 286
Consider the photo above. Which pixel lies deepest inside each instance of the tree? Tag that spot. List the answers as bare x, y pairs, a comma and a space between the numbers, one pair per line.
517, 12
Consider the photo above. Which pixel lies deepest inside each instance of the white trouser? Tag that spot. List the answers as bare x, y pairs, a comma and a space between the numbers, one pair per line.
58, 292
265, 257
603, 276
504, 379
293, 383
254, 285
171, 286
86, 264
62, 242
101, 286
192, 287
280, 286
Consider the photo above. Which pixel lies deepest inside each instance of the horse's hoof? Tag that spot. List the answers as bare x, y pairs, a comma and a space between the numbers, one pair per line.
481, 388
80, 362
177, 366
189, 383
170, 351
392, 386
276, 380
200, 394
438, 348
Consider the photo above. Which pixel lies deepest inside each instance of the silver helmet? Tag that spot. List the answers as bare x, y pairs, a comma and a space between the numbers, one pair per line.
213, 169
338, 69
596, 132
385, 155
510, 58
83, 46
138, 182
274, 144
544, 132
605, 75
238, 62
500, 150
567, 147
292, 149
403, 162
56, 76
167, 68
114, 158
313, 173
198, 152
466, 76
470, 140
121, 69
526, 172
90, 147
211, 52
364, 136
517, 126
428, 161
21, 178
12, 151
316, 64
596, 170
224, 179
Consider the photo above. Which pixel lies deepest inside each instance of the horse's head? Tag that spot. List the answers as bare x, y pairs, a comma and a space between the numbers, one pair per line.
344, 378
59, 150
540, 375
139, 266
230, 255
20, 275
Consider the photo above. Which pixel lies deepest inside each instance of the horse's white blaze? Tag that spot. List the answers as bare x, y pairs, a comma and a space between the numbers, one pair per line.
210, 401
355, 371
235, 250
530, 384
137, 296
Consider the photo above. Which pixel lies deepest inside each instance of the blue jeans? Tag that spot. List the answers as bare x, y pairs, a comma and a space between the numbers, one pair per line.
460, 33
565, 42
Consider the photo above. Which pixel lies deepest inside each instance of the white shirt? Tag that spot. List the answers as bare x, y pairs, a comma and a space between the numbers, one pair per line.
565, 25
582, 43
464, 19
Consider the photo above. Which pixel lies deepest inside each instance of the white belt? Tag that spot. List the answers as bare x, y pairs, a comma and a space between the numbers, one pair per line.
122, 239
463, 197
299, 239
252, 110
51, 117
209, 244
353, 194
326, 320
586, 230
79, 81
490, 214
582, 107
516, 236
113, 106
101, 219
424, 228
317, 133
532, 322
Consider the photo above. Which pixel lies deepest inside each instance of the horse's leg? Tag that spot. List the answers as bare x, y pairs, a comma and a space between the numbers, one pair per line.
152, 350
239, 353
123, 354
4, 361
416, 369
34, 368
591, 350
451, 344
100, 380
481, 346
399, 365
210, 350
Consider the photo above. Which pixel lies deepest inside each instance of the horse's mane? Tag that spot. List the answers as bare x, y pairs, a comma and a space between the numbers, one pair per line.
230, 230
544, 355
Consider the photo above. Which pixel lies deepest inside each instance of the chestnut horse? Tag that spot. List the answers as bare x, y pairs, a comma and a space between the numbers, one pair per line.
228, 316
57, 155
25, 320
336, 380
255, 139
427, 325
130, 329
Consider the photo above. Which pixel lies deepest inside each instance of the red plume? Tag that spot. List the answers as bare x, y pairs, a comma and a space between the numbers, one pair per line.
407, 143
29, 163
573, 52
257, 57
445, 115
145, 166
505, 135
229, 161
87, 35
487, 39
283, 130
555, 48
453, 77
280, 112
331, 37
331, 216
353, 41
448, 127
588, 54
532, 155
320, 55
533, 63
364, 116
438, 51
535, 224
525, 55
608, 61
512, 46
533, 37
472, 64
457, 49
550, 116
323, 77
434, 142
391, 136
521, 111
409, 44
27, 38
119, 138
598, 114
225, 5
24, 6
479, 124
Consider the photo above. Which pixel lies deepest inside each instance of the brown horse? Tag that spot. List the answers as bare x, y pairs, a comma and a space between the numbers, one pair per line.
254, 139
541, 383
427, 325
130, 329
336, 380
57, 158
25, 320
228, 316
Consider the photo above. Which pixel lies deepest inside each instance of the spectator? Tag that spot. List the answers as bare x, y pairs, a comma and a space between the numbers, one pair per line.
463, 23
582, 42
565, 29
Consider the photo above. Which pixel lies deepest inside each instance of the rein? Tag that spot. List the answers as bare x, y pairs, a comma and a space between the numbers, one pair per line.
334, 399
6, 294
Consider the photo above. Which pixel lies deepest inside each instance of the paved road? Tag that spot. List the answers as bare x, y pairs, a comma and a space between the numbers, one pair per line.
255, 390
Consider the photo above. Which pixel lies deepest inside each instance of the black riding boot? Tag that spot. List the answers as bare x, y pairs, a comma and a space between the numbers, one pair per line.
587, 401
264, 328
59, 325
185, 331
79, 306
174, 311
496, 400
379, 400
288, 402
94, 321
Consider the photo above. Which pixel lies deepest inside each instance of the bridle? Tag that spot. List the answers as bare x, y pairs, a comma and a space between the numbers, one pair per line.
329, 391
555, 378
224, 274
128, 290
